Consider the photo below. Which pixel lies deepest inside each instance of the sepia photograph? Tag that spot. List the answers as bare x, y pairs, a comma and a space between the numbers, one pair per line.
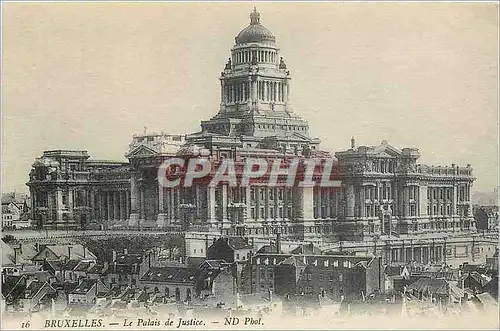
249, 165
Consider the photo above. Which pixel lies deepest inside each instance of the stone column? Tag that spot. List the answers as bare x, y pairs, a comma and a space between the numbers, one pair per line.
127, 205
362, 201
248, 204
123, 205
211, 206
167, 206
109, 206
70, 205
350, 200
142, 202
303, 201
116, 202
100, 202
197, 191
59, 205
406, 205
161, 220
134, 199
92, 204
225, 221
265, 91
222, 92
253, 89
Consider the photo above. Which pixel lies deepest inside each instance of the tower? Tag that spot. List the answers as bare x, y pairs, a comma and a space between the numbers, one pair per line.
255, 96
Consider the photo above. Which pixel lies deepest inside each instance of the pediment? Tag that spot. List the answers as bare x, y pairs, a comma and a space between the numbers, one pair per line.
386, 150
141, 150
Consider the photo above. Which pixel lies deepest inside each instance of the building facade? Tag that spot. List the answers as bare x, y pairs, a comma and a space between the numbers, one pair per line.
386, 198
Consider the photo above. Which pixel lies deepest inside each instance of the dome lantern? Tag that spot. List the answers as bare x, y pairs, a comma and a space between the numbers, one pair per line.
255, 32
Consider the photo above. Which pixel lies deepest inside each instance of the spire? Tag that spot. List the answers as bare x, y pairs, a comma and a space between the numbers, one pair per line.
254, 16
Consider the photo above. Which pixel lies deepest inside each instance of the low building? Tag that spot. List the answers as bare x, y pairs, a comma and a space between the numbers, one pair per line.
486, 217
15, 211
475, 281
435, 290
337, 275
396, 278
68, 252
212, 280
230, 249
36, 295
87, 291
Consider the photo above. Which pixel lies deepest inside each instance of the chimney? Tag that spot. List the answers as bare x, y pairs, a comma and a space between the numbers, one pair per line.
125, 251
353, 142
270, 295
15, 255
278, 243
114, 255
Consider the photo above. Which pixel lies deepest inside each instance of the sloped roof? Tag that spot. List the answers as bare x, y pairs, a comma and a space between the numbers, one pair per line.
77, 251
256, 299
481, 279
71, 264
170, 275
195, 261
270, 248
292, 260
129, 258
214, 264
82, 266
34, 287
308, 249
431, 285
486, 299
96, 269
238, 243
124, 269
84, 286
10, 283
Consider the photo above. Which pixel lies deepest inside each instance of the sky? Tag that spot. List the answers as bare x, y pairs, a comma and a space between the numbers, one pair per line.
90, 75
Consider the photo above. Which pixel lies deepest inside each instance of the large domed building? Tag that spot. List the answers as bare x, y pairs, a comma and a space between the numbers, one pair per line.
386, 198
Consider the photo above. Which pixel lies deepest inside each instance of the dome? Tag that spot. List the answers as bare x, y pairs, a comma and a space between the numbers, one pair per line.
255, 32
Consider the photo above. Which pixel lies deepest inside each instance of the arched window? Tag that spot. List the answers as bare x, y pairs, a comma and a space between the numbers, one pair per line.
177, 294
188, 294
167, 292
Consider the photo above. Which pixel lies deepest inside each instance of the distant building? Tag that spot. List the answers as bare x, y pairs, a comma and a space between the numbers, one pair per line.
338, 275
67, 252
187, 283
15, 211
230, 249
87, 292
486, 217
